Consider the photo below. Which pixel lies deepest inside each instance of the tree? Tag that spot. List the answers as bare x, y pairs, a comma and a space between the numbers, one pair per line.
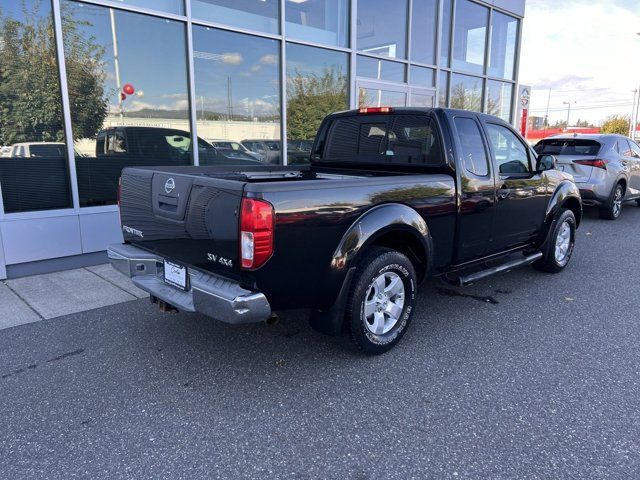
30, 101
615, 124
310, 97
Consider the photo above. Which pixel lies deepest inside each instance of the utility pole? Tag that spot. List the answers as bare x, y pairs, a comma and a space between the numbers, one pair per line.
635, 121
633, 109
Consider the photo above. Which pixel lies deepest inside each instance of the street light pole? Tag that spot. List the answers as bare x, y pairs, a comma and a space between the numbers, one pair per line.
633, 109
568, 104
635, 121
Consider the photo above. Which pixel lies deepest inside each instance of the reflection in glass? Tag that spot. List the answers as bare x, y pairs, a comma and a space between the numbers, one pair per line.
443, 90
382, 27
499, 95
375, 97
421, 76
319, 21
317, 84
128, 97
421, 100
379, 69
424, 17
466, 92
260, 15
237, 80
170, 6
470, 36
34, 172
504, 33
445, 33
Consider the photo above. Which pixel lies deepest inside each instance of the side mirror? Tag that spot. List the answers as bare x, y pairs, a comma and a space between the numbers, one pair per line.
546, 162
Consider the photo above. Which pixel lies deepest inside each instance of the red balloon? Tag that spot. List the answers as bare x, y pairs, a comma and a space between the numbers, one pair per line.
128, 89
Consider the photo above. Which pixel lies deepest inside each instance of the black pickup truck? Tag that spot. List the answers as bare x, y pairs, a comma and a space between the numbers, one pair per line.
391, 197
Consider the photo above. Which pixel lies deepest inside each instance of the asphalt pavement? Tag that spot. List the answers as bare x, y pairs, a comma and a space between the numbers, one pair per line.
523, 375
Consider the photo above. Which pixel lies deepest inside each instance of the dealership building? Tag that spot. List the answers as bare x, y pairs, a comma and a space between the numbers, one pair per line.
88, 87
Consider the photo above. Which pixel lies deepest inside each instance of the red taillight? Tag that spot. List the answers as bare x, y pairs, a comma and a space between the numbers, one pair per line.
376, 110
256, 232
597, 163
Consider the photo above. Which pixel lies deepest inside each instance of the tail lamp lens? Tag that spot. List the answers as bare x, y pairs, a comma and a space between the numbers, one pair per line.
597, 163
256, 232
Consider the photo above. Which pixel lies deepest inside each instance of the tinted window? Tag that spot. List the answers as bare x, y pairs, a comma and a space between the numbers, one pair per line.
563, 146
382, 27
31, 110
499, 96
237, 80
474, 155
424, 14
635, 149
380, 69
319, 21
623, 147
142, 91
423, 77
504, 33
400, 139
466, 92
469, 36
252, 14
510, 153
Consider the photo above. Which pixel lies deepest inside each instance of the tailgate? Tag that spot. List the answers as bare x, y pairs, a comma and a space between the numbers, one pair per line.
188, 219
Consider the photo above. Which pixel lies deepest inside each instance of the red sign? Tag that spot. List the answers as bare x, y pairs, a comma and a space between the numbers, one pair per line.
523, 122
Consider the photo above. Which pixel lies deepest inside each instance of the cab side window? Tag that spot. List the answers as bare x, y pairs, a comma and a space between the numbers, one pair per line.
512, 156
474, 155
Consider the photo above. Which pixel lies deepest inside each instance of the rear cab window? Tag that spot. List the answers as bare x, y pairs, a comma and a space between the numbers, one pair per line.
398, 139
568, 146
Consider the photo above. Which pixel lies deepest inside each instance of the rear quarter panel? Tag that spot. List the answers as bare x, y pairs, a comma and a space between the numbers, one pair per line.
311, 220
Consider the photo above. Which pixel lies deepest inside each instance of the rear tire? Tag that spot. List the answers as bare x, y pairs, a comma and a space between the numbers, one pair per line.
381, 300
560, 242
613, 208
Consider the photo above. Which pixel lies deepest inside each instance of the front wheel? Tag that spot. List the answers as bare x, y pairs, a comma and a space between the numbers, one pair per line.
559, 246
381, 301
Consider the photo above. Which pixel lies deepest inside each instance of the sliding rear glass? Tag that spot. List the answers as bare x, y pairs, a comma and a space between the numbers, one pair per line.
565, 146
403, 139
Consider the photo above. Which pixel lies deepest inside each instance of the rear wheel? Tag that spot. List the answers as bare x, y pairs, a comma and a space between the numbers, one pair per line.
381, 300
559, 247
613, 208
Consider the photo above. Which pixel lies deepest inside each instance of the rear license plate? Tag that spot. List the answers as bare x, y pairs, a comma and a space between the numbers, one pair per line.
175, 275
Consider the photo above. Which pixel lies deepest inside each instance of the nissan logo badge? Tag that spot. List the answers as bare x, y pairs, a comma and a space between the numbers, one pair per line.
170, 185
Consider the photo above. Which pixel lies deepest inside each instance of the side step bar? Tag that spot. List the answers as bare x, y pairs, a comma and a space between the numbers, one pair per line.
467, 279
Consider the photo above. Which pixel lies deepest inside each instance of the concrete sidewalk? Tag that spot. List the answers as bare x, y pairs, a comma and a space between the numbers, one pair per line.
30, 299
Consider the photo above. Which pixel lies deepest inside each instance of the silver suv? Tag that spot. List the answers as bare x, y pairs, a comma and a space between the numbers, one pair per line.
606, 168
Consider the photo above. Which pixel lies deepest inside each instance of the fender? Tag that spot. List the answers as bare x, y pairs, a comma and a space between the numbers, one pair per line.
375, 223
566, 191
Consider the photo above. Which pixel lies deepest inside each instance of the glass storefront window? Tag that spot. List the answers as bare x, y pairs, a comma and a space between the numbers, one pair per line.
34, 172
499, 98
382, 27
318, 21
377, 97
445, 33
470, 36
237, 78
169, 6
128, 97
443, 90
466, 92
260, 15
504, 36
317, 84
421, 76
379, 69
424, 17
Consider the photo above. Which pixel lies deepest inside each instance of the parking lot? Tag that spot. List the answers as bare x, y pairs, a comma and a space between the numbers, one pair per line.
523, 375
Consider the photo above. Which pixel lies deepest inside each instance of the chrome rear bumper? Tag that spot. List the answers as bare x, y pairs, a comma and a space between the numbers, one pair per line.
211, 295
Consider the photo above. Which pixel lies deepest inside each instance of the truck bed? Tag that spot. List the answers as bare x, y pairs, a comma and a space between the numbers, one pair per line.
197, 220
